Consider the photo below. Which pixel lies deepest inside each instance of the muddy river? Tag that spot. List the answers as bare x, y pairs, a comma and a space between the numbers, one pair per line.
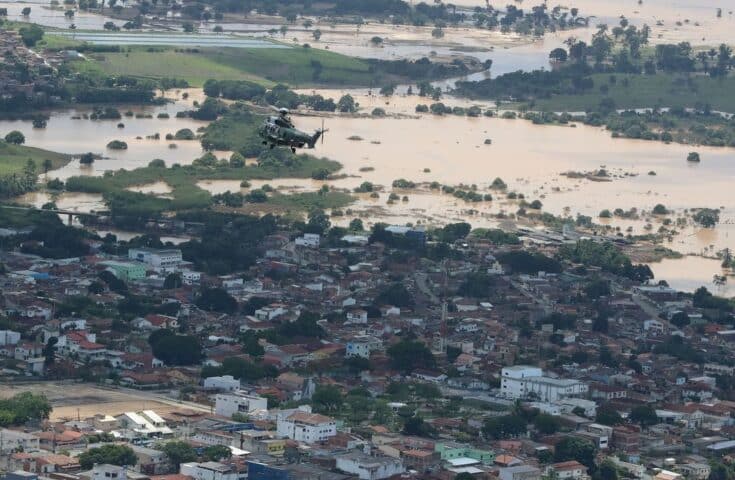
452, 150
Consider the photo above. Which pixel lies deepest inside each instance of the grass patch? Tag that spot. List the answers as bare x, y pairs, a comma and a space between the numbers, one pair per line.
14, 157
664, 90
266, 66
187, 195
59, 42
310, 200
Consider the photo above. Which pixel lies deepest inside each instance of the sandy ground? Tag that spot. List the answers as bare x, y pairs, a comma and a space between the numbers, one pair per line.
74, 400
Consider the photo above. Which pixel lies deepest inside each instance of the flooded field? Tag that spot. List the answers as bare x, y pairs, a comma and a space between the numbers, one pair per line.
68, 132
43, 15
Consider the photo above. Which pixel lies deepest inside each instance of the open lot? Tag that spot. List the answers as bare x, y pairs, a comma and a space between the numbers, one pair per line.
72, 400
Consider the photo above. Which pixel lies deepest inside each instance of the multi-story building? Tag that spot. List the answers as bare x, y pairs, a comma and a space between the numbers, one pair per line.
369, 468
228, 404
306, 427
362, 346
210, 471
523, 381
167, 260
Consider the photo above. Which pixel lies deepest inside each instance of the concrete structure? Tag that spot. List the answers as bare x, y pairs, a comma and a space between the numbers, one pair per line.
228, 404
9, 337
226, 383
520, 472
306, 427
160, 260
566, 470
210, 471
523, 381
126, 271
369, 468
451, 451
362, 346
144, 424
13, 441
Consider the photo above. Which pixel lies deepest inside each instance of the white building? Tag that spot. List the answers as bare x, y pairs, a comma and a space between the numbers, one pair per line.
357, 316
228, 404
308, 240
210, 471
15, 441
522, 381
143, 424
161, 260
362, 346
9, 337
306, 427
226, 383
369, 468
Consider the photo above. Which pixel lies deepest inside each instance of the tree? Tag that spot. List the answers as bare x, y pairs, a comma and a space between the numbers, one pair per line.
31, 35
173, 280
346, 104
178, 452
607, 471
317, 34
573, 448
113, 454
506, 426
408, 355
86, 158
175, 349
23, 407
719, 472
26, 11
607, 415
707, 217
558, 55
416, 426
15, 137
356, 225
47, 165
660, 209
680, 319
49, 351
693, 157
644, 415
546, 424
215, 453
216, 300
326, 398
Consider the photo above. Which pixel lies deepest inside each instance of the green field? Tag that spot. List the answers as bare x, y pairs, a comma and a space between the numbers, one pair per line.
187, 195
642, 91
293, 66
14, 157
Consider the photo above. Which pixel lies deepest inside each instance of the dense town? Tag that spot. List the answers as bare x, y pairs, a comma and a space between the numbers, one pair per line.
395, 353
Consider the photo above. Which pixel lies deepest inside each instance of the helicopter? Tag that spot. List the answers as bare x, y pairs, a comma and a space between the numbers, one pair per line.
279, 130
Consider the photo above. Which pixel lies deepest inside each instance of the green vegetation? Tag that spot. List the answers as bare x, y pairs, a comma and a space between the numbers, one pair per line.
606, 256
22, 408
13, 158
111, 454
173, 349
640, 91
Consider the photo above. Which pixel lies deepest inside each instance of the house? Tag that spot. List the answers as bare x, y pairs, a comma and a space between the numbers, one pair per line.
367, 467
520, 472
17, 441
362, 346
144, 424
126, 271
358, 316
523, 381
228, 404
161, 260
150, 460
9, 337
565, 470
306, 427
226, 383
210, 471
